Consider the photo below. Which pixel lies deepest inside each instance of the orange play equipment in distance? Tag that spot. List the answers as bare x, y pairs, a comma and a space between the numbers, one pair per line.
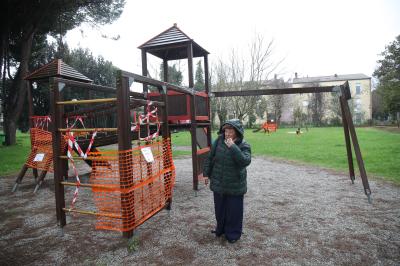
269, 127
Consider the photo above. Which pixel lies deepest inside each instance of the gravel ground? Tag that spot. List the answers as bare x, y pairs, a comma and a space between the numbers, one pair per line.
294, 215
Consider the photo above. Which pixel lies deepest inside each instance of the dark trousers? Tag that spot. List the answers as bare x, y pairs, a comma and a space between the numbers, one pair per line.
229, 215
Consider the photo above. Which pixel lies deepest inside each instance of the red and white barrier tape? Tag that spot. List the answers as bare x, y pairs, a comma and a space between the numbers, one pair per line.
71, 144
78, 148
77, 118
78, 181
41, 121
145, 119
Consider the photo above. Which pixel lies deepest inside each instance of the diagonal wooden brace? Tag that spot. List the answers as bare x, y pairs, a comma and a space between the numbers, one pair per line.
356, 146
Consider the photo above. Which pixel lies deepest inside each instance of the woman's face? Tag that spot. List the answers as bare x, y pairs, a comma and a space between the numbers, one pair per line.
230, 133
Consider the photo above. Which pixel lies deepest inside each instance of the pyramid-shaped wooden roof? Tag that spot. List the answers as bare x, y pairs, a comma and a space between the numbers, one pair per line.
57, 68
171, 44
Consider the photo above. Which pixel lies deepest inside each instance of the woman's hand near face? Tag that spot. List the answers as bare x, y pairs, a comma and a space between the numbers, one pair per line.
229, 142
230, 136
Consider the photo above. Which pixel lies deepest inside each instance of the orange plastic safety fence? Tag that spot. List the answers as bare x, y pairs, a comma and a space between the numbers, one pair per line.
127, 189
41, 156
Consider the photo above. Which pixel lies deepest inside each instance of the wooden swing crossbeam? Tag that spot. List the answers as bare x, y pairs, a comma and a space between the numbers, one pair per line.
277, 91
343, 91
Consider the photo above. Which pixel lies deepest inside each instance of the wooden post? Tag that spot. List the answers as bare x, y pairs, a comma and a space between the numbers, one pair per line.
165, 127
165, 67
19, 177
57, 118
144, 70
356, 147
193, 123
31, 113
30, 103
207, 89
166, 134
124, 143
41, 178
64, 163
347, 140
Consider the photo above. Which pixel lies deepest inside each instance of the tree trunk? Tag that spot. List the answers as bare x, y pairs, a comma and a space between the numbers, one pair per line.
17, 95
221, 117
278, 120
10, 129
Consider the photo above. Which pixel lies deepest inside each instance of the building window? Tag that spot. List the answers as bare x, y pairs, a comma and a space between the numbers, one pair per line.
358, 119
357, 105
358, 88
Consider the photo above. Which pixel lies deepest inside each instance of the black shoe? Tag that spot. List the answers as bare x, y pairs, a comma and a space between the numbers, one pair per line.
216, 234
232, 240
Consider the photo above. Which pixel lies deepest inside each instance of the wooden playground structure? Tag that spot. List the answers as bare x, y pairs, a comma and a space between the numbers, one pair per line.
128, 187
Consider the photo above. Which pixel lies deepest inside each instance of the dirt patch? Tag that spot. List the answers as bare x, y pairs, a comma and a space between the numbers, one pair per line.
389, 128
294, 214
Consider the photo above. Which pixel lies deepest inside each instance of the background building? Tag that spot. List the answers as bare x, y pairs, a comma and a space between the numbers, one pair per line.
310, 109
360, 103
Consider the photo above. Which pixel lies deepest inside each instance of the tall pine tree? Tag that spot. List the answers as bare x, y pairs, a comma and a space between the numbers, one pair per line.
174, 75
199, 78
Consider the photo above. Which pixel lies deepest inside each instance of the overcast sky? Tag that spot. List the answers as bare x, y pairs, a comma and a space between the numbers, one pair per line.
316, 38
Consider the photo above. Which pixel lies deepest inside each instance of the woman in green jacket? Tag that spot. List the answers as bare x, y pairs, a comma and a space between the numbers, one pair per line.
226, 168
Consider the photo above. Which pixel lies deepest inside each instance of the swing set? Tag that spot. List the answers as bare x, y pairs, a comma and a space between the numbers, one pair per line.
343, 93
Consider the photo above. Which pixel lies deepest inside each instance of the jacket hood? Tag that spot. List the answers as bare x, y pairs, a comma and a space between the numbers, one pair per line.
236, 124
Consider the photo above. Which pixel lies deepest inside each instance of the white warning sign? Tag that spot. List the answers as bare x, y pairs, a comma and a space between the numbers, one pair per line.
147, 154
39, 157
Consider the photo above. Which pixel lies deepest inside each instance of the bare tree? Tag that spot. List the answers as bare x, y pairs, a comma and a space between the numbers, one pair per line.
297, 116
277, 102
334, 109
252, 76
377, 106
240, 105
317, 106
261, 107
219, 81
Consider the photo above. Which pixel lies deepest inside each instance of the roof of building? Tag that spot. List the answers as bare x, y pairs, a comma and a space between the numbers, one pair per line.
171, 44
330, 78
57, 68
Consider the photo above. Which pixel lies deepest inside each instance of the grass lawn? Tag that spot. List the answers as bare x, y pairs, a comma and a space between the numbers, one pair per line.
325, 147
13, 158
319, 146
181, 138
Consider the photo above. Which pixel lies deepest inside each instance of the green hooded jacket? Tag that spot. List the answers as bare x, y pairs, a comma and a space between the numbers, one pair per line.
226, 167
